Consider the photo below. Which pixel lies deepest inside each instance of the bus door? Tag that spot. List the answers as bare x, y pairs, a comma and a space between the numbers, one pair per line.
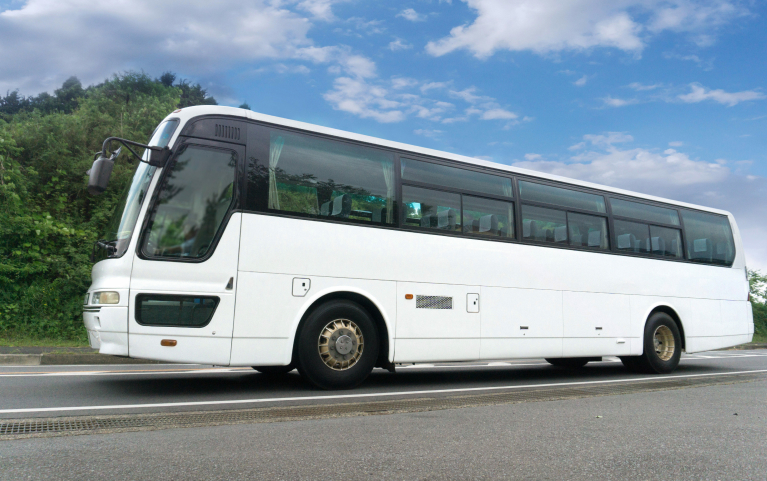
184, 274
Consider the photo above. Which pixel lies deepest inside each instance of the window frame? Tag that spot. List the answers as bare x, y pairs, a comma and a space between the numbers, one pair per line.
679, 227
516, 199
182, 144
606, 215
261, 158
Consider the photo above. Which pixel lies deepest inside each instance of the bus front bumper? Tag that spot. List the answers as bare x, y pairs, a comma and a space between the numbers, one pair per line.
107, 329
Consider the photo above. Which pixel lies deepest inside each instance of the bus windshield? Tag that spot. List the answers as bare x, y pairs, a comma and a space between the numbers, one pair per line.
123, 221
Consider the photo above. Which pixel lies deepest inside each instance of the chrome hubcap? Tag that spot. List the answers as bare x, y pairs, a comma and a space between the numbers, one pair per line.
663, 339
340, 344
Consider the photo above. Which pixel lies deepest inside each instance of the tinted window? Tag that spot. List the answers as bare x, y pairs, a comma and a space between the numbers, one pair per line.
192, 203
547, 194
709, 238
666, 242
649, 213
180, 311
431, 209
459, 179
488, 217
632, 237
587, 231
544, 225
309, 175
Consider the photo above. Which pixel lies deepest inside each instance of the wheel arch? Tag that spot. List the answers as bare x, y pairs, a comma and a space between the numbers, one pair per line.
671, 312
364, 299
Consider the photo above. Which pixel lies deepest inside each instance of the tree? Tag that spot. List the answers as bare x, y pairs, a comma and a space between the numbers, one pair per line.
757, 283
167, 79
193, 94
245, 106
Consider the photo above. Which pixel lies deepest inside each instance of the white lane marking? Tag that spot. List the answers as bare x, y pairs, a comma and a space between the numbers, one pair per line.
363, 396
129, 373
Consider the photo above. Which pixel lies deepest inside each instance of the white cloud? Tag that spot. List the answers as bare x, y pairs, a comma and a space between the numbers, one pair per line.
493, 114
403, 82
581, 81
700, 93
359, 97
412, 15
533, 156
610, 101
545, 26
399, 44
431, 133
94, 39
608, 139
676, 143
321, 9
674, 175
640, 87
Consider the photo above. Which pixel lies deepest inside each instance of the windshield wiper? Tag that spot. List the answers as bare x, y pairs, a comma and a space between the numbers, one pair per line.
109, 246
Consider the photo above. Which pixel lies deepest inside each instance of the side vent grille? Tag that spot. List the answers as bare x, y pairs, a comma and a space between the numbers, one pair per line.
227, 132
433, 302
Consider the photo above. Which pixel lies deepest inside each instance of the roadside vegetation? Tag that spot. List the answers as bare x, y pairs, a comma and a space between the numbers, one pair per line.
48, 222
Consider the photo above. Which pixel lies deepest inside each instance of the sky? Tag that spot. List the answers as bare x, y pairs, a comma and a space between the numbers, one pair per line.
663, 97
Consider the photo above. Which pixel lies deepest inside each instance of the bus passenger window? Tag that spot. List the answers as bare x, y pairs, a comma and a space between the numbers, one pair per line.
709, 238
487, 217
544, 225
327, 179
666, 242
431, 209
192, 203
547, 194
588, 231
632, 237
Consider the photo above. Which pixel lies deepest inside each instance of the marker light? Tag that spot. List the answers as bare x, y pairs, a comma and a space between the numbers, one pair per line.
106, 297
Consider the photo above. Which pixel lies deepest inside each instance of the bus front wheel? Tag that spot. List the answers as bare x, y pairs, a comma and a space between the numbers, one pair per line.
338, 345
662, 347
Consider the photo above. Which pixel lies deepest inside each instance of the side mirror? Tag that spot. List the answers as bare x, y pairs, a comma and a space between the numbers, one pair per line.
98, 175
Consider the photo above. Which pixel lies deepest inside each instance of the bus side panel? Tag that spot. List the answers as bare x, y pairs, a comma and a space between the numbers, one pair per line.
268, 313
596, 324
520, 323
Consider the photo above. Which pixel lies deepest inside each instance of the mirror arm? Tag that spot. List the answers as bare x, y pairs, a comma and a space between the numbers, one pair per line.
164, 151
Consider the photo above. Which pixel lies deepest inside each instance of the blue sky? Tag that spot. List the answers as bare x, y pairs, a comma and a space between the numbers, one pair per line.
666, 97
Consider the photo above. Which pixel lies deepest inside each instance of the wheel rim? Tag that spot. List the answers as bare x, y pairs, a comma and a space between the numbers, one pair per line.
341, 344
664, 342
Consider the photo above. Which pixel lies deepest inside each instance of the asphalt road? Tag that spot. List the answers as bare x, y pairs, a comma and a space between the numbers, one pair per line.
712, 432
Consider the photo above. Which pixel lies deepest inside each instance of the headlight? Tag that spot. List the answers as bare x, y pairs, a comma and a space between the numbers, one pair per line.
87, 298
106, 297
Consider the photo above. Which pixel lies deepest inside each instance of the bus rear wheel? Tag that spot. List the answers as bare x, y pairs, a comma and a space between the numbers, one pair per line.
569, 362
662, 347
338, 345
274, 370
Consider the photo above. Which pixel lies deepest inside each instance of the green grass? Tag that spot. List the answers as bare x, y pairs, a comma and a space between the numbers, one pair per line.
29, 342
760, 337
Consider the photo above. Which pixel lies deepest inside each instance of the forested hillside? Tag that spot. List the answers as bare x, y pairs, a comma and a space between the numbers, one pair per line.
48, 222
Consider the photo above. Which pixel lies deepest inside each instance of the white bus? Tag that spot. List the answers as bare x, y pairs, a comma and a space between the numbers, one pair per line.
251, 240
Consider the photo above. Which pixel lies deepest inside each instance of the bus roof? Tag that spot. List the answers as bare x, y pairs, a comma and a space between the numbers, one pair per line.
190, 112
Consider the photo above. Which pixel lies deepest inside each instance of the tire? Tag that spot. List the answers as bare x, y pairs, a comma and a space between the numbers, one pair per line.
338, 345
568, 362
274, 370
661, 357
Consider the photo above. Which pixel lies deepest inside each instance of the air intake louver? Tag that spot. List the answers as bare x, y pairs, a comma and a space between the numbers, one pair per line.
227, 132
433, 302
